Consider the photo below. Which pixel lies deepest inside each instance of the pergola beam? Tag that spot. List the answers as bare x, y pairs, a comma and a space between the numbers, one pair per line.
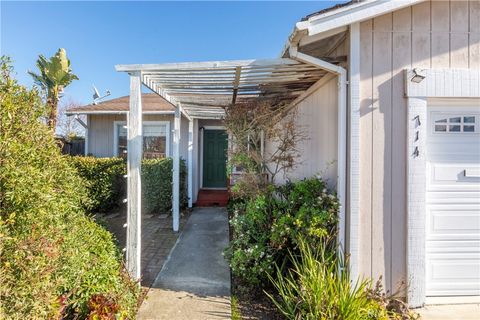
205, 65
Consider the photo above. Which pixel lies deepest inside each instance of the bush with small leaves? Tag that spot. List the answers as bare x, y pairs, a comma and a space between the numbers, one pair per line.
54, 258
157, 185
104, 181
267, 227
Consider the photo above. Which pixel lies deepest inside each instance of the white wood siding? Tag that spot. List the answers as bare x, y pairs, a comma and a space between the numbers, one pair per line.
432, 34
100, 133
317, 118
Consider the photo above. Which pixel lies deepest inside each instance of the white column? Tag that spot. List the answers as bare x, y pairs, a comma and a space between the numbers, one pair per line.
134, 183
190, 163
196, 170
354, 156
176, 170
416, 193
341, 156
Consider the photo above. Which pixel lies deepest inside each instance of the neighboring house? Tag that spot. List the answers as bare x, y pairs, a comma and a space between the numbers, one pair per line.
389, 91
106, 134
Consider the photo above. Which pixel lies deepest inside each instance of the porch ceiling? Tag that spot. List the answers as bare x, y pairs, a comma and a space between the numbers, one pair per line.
203, 89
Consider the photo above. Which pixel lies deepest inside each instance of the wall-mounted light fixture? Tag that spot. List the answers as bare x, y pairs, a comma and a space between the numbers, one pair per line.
418, 75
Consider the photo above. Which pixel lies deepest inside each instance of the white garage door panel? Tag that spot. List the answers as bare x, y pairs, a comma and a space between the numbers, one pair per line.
459, 173
454, 224
453, 203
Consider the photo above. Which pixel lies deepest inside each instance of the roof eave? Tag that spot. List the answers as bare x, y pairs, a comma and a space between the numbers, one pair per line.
110, 112
342, 17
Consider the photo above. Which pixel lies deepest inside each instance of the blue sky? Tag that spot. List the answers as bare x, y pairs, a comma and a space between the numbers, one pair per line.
98, 35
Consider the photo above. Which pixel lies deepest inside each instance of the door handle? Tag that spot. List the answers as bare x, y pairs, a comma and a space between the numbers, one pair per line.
472, 173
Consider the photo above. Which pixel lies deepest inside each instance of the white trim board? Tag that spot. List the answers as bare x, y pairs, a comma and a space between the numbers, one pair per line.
334, 21
438, 83
167, 136
70, 113
353, 197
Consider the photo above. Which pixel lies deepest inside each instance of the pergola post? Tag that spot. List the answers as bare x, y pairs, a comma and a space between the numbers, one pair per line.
190, 163
176, 170
134, 182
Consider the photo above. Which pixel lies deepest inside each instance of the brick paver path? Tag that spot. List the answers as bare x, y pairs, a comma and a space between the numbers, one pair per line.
157, 240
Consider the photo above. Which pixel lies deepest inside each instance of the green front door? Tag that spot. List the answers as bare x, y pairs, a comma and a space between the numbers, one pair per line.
215, 158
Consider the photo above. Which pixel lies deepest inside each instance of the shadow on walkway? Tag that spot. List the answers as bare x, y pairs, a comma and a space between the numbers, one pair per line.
158, 240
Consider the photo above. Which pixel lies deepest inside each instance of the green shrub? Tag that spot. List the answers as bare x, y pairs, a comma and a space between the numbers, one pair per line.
104, 179
157, 185
265, 228
53, 257
107, 187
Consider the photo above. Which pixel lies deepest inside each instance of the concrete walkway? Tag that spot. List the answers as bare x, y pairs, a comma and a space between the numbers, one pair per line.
194, 283
450, 312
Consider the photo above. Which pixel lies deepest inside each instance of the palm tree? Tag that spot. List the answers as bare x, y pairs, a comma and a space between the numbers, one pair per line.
55, 75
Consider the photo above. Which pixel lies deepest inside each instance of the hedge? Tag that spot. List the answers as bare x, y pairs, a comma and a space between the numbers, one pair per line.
157, 185
106, 185
104, 180
55, 261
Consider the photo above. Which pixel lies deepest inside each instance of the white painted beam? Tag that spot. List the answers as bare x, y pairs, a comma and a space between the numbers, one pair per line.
134, 182
302, 57
176, 170
204, 65
190, 163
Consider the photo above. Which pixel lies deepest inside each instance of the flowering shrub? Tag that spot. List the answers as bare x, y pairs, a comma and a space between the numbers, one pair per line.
250, 253
267, 227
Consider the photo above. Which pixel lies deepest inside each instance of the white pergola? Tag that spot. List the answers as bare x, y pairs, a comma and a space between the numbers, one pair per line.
201, 90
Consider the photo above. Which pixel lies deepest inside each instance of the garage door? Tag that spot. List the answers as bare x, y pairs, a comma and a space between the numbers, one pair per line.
453, 201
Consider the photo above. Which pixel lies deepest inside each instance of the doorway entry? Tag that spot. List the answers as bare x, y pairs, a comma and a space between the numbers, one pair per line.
215, 143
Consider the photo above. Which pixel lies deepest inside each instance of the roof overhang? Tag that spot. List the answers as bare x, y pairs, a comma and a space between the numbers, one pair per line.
332, 22
107, 112
204, 89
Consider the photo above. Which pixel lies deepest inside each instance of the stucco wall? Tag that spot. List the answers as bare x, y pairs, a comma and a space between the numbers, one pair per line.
436, 34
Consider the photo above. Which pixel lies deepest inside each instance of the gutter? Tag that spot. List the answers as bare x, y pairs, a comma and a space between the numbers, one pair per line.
342, 131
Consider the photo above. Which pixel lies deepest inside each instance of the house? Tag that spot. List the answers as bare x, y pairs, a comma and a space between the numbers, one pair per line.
106, 136
389, 91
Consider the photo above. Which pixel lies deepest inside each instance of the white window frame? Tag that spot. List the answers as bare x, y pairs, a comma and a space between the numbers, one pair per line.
436, 115
158, 123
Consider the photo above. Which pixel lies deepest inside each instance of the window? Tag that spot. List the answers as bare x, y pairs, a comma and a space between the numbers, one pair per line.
455, 124
155, 139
